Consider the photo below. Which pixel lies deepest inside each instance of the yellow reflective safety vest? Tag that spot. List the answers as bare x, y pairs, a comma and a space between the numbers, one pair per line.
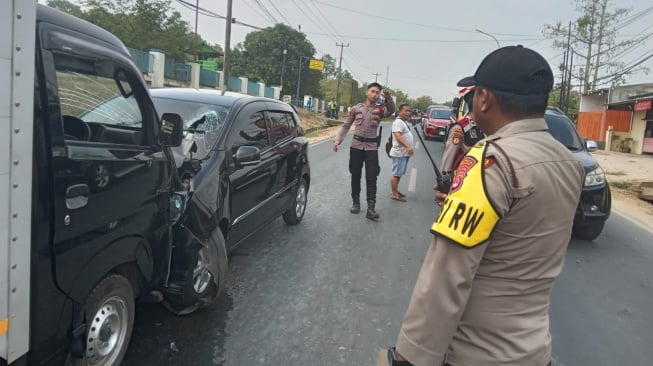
467, 216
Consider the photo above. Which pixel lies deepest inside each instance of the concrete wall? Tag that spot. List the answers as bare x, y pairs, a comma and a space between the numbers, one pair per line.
593, 102
637, 131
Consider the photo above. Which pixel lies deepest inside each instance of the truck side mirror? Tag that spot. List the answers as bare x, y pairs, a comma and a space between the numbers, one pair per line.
591, 145
172, 128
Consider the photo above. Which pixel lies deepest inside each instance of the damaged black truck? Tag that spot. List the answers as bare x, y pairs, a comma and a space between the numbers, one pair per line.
92, 206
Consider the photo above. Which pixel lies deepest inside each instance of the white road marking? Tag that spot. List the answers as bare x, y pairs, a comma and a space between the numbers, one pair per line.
416, 145
412, 181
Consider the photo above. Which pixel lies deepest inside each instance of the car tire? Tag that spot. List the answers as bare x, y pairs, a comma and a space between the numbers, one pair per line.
297, 209
197, 287
109, 311
589, 231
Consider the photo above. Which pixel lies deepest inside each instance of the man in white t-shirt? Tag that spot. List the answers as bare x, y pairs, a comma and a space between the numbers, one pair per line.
402, 150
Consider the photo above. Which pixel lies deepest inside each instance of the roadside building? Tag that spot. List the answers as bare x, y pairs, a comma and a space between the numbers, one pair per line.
619, 118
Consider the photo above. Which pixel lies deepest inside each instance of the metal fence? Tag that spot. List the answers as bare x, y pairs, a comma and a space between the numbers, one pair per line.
234, 83
144, 60
176, 71
209, 78
182, 72
253, 88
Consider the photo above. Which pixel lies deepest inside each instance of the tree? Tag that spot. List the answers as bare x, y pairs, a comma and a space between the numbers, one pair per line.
330, 67
422, 102
574, 102
65, 6
141, 24
593, 40
260, 57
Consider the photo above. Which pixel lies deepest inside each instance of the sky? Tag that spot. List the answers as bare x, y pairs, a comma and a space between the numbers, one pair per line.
421, 47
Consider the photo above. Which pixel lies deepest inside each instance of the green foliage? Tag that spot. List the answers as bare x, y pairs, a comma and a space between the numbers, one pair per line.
140, 24
422, 102
260, 57
574, 102
65, 6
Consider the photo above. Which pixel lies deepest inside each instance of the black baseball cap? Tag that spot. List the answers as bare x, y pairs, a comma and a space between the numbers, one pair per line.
513, 69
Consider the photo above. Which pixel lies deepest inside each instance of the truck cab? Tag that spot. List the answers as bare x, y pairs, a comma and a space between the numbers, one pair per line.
96, 188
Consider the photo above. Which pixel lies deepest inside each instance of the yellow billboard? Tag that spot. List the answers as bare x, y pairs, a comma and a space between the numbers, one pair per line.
316, 64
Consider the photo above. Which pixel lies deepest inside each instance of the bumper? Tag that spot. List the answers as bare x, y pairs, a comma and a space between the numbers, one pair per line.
432, 132
595, 205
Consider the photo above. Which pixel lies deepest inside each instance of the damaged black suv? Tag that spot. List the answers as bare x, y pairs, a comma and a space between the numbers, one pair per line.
244, 158
595, 200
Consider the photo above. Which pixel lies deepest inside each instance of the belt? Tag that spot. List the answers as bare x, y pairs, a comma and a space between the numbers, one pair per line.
365, 139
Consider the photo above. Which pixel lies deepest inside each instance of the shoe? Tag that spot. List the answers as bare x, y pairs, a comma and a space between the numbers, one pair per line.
392, 359
398, 198
371, 213
355, 208
401, 195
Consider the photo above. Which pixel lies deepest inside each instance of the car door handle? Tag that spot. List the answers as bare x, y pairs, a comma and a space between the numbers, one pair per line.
77, 196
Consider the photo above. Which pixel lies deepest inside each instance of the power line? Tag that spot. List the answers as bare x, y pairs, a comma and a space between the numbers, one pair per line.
211, 14
257, 10
326, 20
428, 40
358, 12
280, 13
626, 70
266, 11
312, 21
630, 20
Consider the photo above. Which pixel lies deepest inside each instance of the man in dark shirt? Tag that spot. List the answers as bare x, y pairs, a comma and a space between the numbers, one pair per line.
366, 118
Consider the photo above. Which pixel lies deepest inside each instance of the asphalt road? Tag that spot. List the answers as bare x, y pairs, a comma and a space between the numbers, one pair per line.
333, 289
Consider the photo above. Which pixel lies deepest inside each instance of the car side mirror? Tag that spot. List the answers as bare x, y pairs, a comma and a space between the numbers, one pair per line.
172, 129
591, 145
247, 155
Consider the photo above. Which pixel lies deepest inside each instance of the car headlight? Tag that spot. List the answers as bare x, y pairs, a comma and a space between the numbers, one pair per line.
595, 178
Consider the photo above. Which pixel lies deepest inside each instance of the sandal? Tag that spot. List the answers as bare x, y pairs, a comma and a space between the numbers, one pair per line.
402, 195
398, 198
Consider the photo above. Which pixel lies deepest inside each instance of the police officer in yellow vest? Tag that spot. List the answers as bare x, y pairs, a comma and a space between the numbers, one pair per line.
483, 292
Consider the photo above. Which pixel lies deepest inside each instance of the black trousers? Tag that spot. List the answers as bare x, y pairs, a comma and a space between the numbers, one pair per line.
372, 169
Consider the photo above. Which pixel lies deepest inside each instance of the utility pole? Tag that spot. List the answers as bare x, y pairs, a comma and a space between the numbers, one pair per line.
387, 74
571, 68
376, 76
283, 64
566, 73
299, 77
227, 49
562, 80
342, 45
197, 8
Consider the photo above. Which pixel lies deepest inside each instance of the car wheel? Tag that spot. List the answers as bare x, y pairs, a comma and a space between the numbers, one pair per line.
589, 231
109, 314
199, 285
296, 212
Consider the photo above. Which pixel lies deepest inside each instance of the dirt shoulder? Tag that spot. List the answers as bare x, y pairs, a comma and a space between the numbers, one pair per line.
625, 173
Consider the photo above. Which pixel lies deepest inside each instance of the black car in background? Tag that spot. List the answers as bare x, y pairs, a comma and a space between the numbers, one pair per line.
244, 159
595, 200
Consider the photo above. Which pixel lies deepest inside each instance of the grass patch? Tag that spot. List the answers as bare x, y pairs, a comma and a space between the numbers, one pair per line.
621, 185
618, 173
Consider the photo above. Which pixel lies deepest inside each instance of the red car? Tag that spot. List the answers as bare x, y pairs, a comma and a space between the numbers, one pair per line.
435, 126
